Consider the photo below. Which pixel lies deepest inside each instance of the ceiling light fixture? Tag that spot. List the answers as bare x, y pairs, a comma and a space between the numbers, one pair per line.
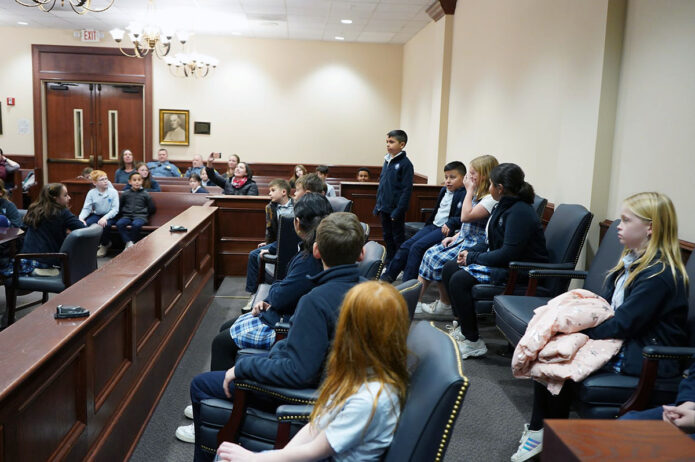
338, 37
22, 23
78, 6
346, 21
191, 65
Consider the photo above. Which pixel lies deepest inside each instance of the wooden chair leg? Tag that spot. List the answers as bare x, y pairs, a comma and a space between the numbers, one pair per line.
11, 300
230, 431
44, 297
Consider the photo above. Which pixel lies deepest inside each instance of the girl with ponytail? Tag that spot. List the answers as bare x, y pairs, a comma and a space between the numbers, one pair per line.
514, 233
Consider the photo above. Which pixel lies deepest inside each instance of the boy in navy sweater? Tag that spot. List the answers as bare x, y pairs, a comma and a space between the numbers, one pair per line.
297, 361
444, 221
393, 195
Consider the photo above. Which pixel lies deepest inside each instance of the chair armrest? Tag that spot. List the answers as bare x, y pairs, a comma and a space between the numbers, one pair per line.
531, 265
62, 256
652, 354
293, 413
283, 394
269, 258
281, 330
549, 273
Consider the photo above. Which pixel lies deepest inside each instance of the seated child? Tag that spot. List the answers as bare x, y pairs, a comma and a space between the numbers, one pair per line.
298, 360
363, 175
305, 183
280, 205
444, 221
195, 183
149, 184
8, 209
101, 207
365, 388
136, 207
204, 180
322, 172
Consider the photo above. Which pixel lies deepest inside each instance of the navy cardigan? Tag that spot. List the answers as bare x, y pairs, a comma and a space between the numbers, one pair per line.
297, 361
50, 234
395, 187
454, 221
654, 312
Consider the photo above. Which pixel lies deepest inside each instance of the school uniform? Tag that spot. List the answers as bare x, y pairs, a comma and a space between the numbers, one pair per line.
447, 211
98, 205
9, 210
392, 199
50, 234
154, 186
136, 207
199, 190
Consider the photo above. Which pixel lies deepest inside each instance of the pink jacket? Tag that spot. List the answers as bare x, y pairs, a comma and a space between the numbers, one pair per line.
552, 350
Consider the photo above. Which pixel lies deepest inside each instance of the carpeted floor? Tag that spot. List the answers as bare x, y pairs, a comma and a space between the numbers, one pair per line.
488, 427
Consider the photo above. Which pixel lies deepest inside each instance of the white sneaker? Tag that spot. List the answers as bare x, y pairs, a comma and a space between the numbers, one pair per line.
129, 244
418, 307
469, 349
454, 330
437, 309
530, 444
103, 249
186, 433
188, 412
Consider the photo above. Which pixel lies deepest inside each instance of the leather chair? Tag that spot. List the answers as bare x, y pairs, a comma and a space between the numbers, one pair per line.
435, 395
251, 420
340, 204
513, 313
605, 395
365, 228
538, 205
274, 267
78, 258
564, 239
411, 293
373, 262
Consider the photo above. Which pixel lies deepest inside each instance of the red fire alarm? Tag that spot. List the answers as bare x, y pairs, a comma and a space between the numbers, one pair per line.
10, 101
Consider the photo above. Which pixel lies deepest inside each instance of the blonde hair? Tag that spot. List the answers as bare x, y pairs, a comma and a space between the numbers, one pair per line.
663, 247
483, 165
364, 349
96, 174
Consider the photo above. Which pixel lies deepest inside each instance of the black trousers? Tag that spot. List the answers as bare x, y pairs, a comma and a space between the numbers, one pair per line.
223, 349
459, 284
393, 232
548, 406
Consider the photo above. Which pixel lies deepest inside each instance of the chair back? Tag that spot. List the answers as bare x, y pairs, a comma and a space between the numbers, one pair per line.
373, 262
564, 239
288, 243
81, 247
411, 292
606, 257
340, 204
690, 271
539, 204
365, 228
435, 396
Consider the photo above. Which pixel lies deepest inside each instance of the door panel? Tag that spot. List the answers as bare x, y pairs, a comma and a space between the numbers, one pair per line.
69, 133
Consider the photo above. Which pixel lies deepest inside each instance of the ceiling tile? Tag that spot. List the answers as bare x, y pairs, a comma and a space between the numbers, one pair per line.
377, 37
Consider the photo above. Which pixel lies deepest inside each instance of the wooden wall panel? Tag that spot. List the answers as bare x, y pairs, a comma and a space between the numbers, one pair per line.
188, 262
147, 310
171, 283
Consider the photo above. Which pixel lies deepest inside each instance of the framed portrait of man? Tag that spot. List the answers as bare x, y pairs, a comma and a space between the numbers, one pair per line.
173, 127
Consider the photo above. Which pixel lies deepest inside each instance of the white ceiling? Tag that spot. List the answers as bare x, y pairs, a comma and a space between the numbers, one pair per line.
381, 21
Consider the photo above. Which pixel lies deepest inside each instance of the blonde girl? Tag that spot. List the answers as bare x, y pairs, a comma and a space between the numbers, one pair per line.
233, 161
648, 290
475, 211
364, 391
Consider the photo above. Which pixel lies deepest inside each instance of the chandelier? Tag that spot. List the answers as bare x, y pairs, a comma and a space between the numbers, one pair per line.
191, 65
148, 39
78, 6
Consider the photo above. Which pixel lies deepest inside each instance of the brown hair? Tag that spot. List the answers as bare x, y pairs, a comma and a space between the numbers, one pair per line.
340, 238
3, 191
280, 183
294, 172
45, 206
121, 162
311, 182
146, 182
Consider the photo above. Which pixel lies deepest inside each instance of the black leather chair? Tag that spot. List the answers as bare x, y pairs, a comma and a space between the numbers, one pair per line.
373, 262
411, 293
365, 228
539, 204
605, 395
435, 395
274, 267
78, 258
564, 239
340, 204
513, 313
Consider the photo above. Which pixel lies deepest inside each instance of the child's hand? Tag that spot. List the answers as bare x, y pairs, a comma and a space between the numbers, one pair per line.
469, 183
258, 307
263, 252
230, 452
445, 230
260, 245
461, 258
682, 416
228, 378
102, 222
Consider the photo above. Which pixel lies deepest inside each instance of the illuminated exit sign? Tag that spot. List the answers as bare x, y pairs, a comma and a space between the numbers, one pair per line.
89, 35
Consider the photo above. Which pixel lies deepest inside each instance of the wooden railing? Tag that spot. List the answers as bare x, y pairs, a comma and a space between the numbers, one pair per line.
85, 388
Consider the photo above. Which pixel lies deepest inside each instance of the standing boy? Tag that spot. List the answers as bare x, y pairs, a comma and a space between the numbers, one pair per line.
136, 207
393, 195
444, 221
100, 206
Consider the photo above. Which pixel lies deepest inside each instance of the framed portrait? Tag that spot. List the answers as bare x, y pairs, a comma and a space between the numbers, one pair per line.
201, 128
173, 127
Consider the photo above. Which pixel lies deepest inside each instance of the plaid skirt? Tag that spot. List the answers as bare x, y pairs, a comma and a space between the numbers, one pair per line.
436, 256
250, 332
26, 266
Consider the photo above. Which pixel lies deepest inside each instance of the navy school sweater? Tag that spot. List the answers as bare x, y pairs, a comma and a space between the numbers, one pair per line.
50, 234
454, 220
298, 360
395, 187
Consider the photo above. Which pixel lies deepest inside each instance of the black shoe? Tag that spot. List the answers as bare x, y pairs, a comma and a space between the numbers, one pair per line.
387, 278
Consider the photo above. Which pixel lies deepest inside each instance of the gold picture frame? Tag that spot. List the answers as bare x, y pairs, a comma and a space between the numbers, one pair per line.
173, 127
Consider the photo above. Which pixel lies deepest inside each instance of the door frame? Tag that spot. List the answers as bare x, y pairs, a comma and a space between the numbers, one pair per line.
86, 64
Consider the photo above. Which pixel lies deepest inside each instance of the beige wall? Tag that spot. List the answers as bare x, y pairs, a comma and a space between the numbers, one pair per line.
654, 147
269, 100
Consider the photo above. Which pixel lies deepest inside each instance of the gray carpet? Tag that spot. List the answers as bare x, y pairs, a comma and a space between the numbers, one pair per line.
488, 427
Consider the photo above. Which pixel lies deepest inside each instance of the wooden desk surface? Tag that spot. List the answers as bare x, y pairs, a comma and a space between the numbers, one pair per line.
628, 440
9, 234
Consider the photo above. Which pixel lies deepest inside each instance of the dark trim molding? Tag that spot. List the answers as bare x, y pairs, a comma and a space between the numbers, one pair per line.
439, 8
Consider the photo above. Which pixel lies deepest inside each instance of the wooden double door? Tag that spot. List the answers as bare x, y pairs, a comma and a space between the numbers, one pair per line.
89, 125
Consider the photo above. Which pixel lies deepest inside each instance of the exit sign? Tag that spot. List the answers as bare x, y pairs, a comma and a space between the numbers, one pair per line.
89, 35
